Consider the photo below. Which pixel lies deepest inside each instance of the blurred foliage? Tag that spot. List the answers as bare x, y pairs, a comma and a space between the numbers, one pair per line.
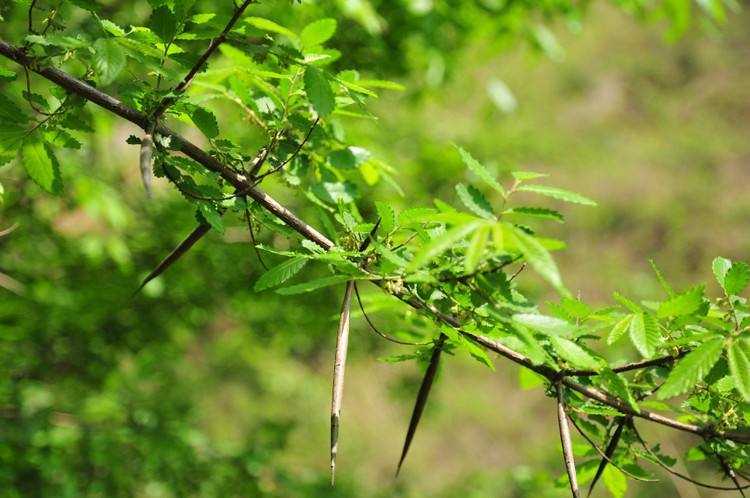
202, 387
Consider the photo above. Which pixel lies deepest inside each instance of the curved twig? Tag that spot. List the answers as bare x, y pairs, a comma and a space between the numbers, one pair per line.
294, 154
375, 329
565, 441
678, 474
339, 366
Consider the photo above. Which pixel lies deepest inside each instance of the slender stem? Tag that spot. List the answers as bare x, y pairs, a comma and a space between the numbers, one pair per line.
566, 442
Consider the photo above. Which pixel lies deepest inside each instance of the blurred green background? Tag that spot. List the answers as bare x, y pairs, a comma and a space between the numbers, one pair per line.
201, 387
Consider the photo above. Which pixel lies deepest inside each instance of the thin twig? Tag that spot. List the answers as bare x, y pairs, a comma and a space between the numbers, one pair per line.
565, 441
339, 365
291, 156
375, 329
729, 471
188, 79
664, 466
249, 222
608, 452
422, 395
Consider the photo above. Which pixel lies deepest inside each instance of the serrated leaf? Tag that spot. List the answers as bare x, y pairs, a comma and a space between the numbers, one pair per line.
538, 257
280, 273
387, 217
206, 122
10, 112
110, 60
319, 91
314, 285
736, 278
618, 386
441, 243
615, 481
547, 325
318, 32
40, 163
682, 304
478, 169
739, 366
557, 193
691, 369
574, 354
644, 333
268, 25
475, 201
536, 212
11, 136
619, 330
523, 176
211, 216
164, 23
720, 267
627, 302
476, 248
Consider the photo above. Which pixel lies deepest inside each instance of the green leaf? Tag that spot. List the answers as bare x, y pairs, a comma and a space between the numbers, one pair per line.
615, 481
736, 278
211, 216
314, 285
206, 122
110, 60
164, 23
574, 354
475, 201
10, 112
319, 91
478, 169
557, 193
720, 268
661, 278
690, 370
619, 329
644, 333
7, 75
739, 365
11, 136
538, 257
476, 248
318, 32
524, 176
41, 165
280, 273
268, 25
618, 386
536, 212
627, 302
547, 325
682, 304
387, 217
441, 243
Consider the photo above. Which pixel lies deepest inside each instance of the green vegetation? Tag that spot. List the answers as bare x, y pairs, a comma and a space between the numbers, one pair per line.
422, 156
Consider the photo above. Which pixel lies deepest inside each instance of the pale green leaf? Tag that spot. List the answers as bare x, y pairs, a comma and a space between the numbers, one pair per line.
615, 481
739, 365
682, 304
270, 26
557, 193
691, 369
538, 257
314, 285
618, 385
442, 243
574, 354
547, 325
536, 212
478, 169
644, 333
720, 267
318, 32
475, 201
41, 165
319, 91
476, 248
619, 329
523, 176
280, 273
736, 278
387, 217
110, 60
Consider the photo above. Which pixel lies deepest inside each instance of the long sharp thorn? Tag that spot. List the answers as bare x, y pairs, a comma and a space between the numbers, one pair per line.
608, 452
424, 392
147, 154
729, 471
339, 365
366, 243
565, 441
176, 254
